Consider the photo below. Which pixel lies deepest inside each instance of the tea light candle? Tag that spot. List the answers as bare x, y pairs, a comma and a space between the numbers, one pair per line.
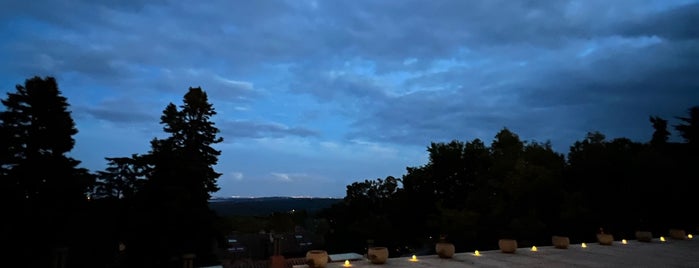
662, 239
347, 264
534, 248
414, 258
623, 241
583, 245
477, 253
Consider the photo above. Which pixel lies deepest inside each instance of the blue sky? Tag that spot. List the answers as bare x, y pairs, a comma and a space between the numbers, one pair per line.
314, 95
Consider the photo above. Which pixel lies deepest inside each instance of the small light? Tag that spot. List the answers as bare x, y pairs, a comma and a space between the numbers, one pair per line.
584, 245
623, 241
414, 258
534, 248
477, 253
347, 264
662, 239
690, 236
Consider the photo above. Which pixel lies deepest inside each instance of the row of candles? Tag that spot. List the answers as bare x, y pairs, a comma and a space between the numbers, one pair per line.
533, 249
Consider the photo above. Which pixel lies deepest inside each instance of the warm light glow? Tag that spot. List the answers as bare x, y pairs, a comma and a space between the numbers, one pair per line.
414, 258
584, 245
623, 241
690, 236
477, 253
347, 264
534, 248
662, 239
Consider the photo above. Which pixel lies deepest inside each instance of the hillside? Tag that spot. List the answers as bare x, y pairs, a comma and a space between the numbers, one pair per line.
267, 205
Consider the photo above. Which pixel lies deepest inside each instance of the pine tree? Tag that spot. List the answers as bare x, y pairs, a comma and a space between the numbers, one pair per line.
180, 180
39, 133
43, 190
185, 159
690, 129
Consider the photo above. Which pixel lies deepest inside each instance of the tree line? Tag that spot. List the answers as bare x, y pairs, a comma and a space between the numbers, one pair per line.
475, 194
143, 210
149, 209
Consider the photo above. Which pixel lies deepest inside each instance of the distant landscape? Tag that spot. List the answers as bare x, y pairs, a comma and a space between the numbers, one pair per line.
263, 206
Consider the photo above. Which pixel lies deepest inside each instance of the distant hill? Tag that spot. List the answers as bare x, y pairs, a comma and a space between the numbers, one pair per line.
262, 206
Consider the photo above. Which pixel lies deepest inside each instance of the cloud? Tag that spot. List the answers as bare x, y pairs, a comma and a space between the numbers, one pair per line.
282, 176
119, 111
251, 129
360, 79
236, 176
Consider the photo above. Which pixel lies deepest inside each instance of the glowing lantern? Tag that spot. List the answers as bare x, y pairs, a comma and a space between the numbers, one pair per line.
477, 253
623, 241
414, 258
534, 248
662, 239
583, 245
347, 264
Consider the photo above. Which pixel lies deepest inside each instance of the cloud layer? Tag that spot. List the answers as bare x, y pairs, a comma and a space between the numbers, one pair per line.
311, 94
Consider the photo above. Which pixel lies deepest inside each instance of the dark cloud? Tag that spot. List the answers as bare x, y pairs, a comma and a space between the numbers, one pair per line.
677, 23
120, 111
394, 73
250, 129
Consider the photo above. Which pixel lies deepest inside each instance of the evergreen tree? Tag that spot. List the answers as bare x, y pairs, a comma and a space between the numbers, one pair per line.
123, 177
660, 135
45, 188
186, 158
690, 129
39, 130
181, 178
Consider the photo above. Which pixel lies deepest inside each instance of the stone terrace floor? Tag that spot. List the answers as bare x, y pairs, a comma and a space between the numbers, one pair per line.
673, 253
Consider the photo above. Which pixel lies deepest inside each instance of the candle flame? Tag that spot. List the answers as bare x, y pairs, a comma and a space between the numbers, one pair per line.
477, 253
584, 245
534, 248
347, 264
414, 258
623, 241
690, 236
662, 239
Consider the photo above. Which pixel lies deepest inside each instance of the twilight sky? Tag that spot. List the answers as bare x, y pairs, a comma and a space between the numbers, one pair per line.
314, 95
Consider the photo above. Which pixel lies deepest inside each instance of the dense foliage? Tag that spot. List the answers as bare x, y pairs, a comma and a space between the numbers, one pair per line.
476, 194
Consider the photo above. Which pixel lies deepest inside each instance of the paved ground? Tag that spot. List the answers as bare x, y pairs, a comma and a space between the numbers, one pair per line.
673, 253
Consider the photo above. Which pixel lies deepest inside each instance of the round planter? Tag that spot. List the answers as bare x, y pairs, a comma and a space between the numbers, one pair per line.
605, 239
507, 245
378, 255
561, 242
317, 258
643, 236
678, 234
445, 250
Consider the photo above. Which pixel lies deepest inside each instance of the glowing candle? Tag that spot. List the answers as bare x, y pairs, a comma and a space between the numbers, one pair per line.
477, 253
414, 258
584, 245
662, 239
347, 264
690, 236
623, 241
534, 248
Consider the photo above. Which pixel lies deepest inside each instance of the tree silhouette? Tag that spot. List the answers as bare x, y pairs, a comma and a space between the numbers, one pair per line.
173, 205
690, 129
660, 135
45, 186
123, 177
